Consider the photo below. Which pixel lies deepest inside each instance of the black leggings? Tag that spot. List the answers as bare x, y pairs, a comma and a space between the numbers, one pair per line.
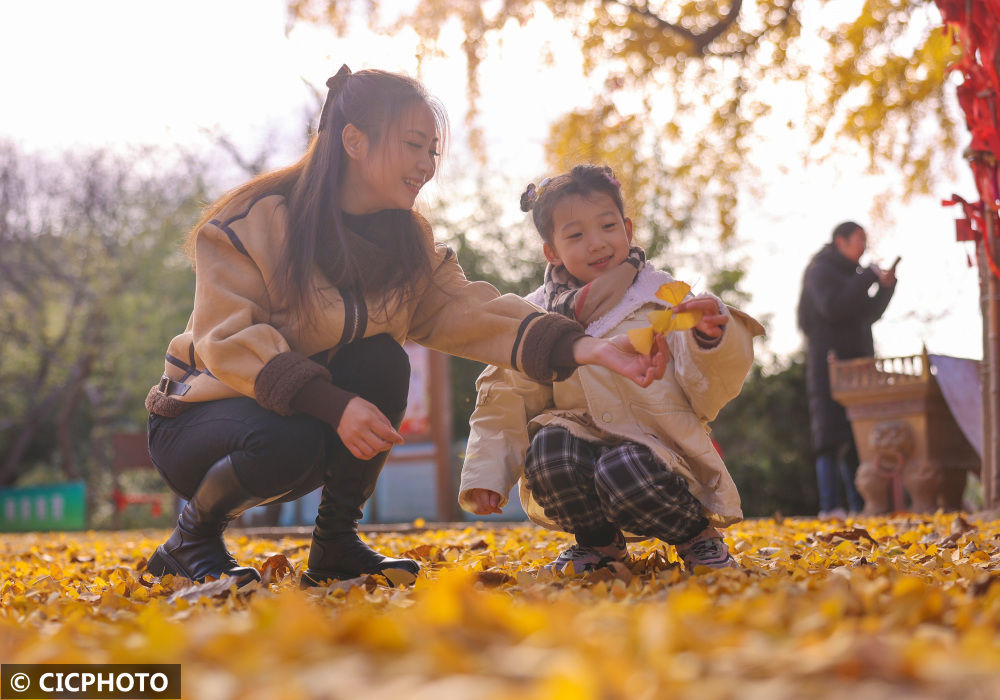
276, 455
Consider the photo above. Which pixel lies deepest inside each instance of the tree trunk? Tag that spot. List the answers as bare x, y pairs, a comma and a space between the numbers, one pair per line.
10, 469
29, 427
64, 420
991, 360
986, 470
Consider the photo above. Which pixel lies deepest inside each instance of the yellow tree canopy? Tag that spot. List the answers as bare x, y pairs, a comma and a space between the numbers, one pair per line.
870, 74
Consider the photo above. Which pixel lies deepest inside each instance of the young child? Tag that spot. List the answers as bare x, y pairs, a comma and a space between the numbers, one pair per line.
595, 456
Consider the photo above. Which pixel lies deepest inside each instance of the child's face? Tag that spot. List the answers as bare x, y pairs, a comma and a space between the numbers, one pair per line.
589, 236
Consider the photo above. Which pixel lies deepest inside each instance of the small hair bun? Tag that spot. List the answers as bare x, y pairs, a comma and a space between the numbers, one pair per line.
610, 175
529, 197
336, 82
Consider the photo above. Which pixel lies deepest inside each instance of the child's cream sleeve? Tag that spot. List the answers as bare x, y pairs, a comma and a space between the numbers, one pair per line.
712, 377
498, 437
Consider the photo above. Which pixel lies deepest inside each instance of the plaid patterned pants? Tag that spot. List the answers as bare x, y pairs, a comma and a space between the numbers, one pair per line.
592, 488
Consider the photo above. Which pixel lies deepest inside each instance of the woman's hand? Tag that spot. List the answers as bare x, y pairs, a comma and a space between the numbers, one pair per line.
618, 355
712, 319
484, 501
365, 431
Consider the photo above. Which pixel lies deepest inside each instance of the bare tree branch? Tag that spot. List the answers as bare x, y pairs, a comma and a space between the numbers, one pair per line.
699, 41
754, 39
251, 166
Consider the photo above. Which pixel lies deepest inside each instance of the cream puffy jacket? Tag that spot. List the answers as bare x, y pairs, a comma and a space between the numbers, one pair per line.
670, 416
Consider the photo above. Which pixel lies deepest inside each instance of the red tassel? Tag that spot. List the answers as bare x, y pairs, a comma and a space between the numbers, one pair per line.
963, 230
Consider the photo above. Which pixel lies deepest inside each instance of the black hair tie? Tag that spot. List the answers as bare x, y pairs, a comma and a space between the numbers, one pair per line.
334, 85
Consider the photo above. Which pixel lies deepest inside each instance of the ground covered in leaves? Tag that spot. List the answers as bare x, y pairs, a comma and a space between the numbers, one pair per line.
905, 606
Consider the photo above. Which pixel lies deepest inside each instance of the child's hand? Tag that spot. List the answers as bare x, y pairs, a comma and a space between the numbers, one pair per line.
712, 319
484, 501
618, 355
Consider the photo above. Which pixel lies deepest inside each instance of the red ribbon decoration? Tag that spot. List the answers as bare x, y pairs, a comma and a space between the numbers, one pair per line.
975, 25
973, 227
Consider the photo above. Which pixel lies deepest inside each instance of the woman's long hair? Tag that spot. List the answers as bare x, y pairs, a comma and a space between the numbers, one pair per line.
374, 102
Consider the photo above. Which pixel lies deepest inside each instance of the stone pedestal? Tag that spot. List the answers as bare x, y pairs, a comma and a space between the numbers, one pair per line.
908, 441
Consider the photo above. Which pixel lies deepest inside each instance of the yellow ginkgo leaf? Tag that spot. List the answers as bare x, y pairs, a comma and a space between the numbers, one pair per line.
399, 577
641, 339
685, 320
673, 292
661, 320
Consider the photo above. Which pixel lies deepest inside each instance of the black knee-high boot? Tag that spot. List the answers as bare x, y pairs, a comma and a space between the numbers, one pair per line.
378, 370
337, 551
196, 549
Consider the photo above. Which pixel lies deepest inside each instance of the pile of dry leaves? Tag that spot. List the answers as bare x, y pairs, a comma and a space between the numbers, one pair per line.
904, 606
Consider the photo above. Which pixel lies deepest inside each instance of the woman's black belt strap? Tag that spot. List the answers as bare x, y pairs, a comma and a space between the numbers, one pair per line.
170, 387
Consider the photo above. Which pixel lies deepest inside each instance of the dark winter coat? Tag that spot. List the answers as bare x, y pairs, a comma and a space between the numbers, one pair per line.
835, 313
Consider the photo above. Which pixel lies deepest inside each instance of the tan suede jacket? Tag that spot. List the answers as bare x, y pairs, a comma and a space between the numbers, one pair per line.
241, 339
670, 416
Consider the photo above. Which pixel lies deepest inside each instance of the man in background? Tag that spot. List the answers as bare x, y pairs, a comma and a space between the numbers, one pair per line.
836, 312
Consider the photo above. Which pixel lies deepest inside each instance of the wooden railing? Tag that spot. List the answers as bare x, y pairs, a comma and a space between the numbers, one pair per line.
877, 372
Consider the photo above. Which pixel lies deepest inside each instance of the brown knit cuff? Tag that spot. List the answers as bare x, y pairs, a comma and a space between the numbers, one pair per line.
282, 378
536, 355
166, 406
323, 400
562, 360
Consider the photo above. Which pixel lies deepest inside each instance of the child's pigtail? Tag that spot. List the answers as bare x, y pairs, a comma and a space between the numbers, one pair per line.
529, 197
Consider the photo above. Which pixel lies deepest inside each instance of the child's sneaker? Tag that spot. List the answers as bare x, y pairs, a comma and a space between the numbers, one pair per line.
584, 558
707, 549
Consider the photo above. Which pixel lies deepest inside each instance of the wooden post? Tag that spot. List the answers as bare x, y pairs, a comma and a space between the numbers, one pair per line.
991, 359
441, 434
986, 473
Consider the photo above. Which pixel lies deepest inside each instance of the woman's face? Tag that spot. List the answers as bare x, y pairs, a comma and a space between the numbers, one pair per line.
391, 172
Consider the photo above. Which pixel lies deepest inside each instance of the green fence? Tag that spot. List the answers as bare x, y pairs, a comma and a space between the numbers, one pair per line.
43, 508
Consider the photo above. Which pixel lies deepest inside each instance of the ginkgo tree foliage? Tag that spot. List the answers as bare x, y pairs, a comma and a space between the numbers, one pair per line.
856, 74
